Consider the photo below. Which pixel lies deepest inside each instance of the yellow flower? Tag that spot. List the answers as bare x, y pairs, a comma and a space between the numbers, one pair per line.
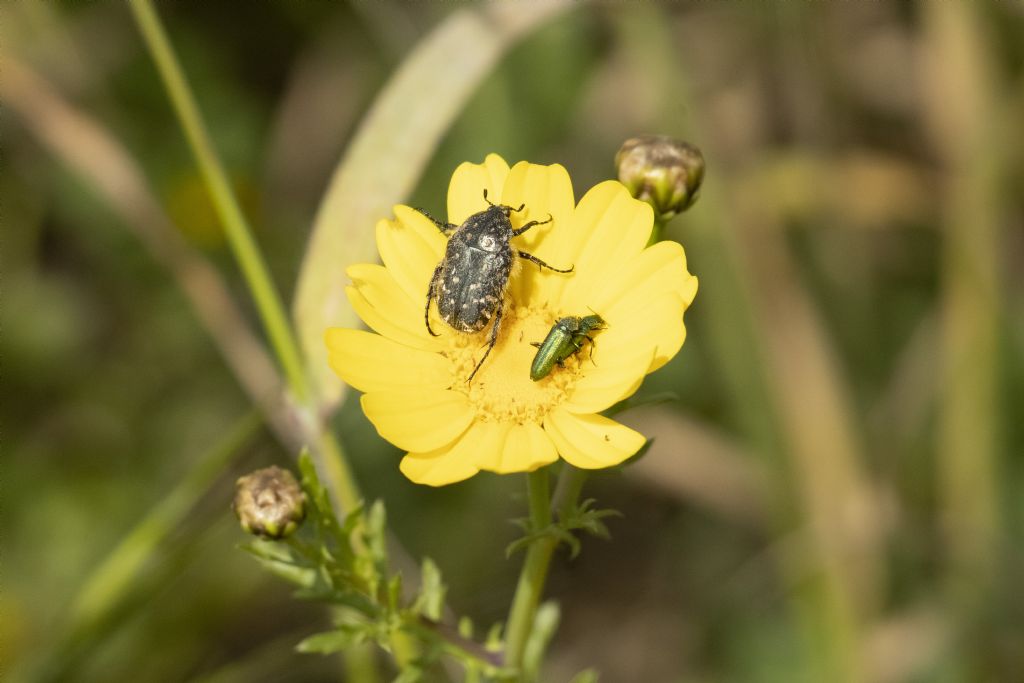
415, 388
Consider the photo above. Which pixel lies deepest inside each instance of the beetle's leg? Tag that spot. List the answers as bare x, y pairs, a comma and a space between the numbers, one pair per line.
431, 293
527, 226
542, 264
491, 341
446, 228
591, 339
537, 344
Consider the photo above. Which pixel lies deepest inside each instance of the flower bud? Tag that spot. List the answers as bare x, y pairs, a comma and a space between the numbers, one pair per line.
269, 502
664, 172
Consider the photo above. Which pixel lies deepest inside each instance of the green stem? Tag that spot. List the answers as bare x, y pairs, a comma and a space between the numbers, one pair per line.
235, 226
405, 649
658, 232
534, 572
361, 663
568, 489
339, 474
334, 465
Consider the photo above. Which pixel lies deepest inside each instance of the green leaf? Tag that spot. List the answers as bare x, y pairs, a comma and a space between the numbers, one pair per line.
387, 156
545, 623
466, 627
321, 507
269, 550
559, 532
395, 592
278, 559
329, 642
430, 602
494, 636
410, 674
374, 532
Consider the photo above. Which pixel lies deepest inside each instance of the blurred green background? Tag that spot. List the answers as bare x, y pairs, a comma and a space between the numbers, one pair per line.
837, 493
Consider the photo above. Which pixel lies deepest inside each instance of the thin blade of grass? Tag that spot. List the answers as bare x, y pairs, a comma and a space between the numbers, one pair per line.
102, 163
962, 89
789, 390
388, 154
103, 589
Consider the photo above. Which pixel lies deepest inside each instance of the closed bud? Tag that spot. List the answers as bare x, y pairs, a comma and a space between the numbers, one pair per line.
664, 172
269, 502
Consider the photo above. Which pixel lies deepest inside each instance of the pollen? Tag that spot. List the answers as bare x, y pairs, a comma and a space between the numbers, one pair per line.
502, 390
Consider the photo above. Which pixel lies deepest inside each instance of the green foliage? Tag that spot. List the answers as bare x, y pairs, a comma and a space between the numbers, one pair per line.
345, 565
545, 623
581, 516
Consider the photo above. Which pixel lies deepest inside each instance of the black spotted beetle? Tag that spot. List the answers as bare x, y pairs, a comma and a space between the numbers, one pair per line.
564, 339
470, 281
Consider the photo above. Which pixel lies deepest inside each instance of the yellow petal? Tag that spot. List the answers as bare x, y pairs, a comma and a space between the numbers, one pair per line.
448, 464
657, 269
382, 304
466, 190
370, 362
385, 322
489, 443
636, 324
419, 420
424, 228
526, 448
544, 191
410, 248
602, 386
609, 228
591, 441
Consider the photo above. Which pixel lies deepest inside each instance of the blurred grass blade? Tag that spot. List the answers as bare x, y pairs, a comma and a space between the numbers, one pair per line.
961, 104
102, 164
247, 253
236, 227
785, 379
384, 162
113, 579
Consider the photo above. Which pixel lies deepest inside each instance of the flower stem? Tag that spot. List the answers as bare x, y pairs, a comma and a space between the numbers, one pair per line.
658, 233
238, 233
538, 556
568, 489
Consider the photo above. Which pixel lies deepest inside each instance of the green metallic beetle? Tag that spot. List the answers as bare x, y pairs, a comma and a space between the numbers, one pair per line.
564, 339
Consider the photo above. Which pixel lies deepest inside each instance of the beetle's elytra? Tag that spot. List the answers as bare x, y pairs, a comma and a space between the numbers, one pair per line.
564, 339
470, 281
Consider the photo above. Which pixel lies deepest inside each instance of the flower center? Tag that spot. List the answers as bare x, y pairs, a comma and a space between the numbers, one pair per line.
502, 390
